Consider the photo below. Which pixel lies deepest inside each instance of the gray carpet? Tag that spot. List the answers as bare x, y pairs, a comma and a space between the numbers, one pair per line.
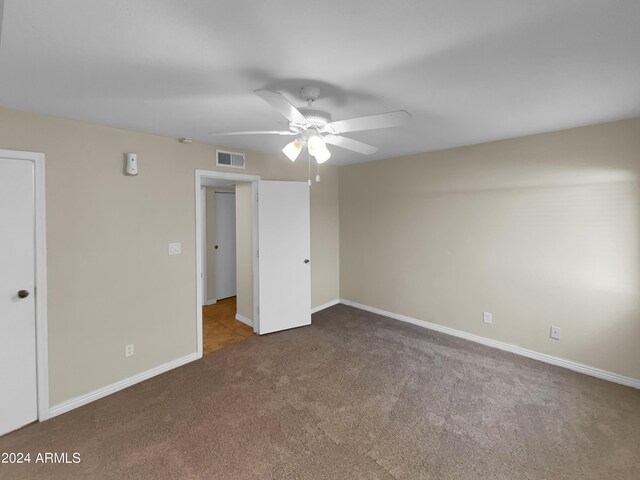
354, 396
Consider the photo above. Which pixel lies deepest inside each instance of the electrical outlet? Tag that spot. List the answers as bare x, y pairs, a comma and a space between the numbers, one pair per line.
128, 351
487, 317
555, 333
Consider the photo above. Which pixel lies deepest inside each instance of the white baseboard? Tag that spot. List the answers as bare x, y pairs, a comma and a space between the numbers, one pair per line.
325, 305
211, 302
560, 362
114, 387
243, 319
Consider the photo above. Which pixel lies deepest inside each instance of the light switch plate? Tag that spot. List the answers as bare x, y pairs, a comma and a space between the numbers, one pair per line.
175, 248
555, 333
487, 317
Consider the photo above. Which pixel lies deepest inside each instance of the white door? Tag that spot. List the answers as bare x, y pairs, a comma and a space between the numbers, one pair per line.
18, 400
284, 255
225, 245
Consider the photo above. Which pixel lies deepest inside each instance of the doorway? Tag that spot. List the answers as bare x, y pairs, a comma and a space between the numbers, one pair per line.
23, 330
227, 230
227, 249
278, 257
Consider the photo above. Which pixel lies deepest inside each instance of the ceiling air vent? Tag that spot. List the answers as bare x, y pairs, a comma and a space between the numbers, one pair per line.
229, 159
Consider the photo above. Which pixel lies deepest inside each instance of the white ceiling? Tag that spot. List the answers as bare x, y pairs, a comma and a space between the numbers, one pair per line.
469, 71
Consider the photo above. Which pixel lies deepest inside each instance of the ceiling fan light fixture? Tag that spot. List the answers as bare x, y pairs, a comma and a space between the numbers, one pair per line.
323, 155
318, 148
292, 150
315, 144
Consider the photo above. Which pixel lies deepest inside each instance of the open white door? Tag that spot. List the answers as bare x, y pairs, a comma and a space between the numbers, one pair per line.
284, 255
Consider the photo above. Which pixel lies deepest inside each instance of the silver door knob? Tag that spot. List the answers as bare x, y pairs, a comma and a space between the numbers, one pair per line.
23, 293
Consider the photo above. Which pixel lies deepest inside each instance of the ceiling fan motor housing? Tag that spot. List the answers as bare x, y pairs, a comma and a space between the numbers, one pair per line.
317, 117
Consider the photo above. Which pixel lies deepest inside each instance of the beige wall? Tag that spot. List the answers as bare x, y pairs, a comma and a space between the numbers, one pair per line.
244, 250
110, 279
540, 230
325, 238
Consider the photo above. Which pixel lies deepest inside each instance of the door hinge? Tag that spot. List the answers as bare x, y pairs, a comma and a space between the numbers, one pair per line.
258, 253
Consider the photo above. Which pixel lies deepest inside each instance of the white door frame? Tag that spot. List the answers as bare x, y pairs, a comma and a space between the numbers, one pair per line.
40, 252
238, 177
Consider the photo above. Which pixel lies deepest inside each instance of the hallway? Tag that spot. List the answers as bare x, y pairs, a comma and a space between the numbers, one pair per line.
220, 327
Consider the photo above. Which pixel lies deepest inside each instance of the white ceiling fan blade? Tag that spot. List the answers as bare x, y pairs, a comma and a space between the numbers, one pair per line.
282, 105
256, 132
350, 144
371, 122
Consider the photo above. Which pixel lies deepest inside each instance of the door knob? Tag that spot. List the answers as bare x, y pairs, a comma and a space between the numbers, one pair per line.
23, 293
306, 260
215, 247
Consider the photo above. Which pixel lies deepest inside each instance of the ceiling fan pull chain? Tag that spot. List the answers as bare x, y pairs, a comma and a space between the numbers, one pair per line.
317, 172
309, 162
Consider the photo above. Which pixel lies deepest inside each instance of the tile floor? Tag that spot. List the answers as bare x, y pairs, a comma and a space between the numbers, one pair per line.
220, 327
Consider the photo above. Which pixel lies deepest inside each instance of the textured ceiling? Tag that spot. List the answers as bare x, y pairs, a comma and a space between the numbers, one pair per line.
468, 71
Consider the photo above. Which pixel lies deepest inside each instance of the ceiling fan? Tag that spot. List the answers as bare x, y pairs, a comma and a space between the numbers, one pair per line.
314, 129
